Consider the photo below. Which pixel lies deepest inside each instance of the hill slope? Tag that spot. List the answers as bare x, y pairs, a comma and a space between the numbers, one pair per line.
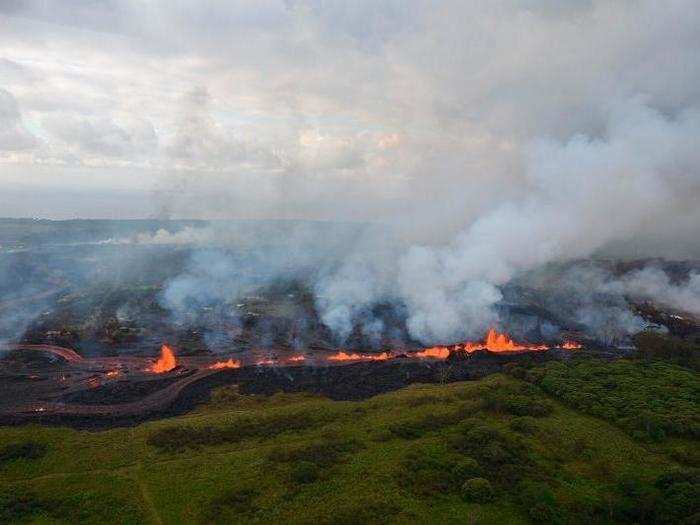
498, 450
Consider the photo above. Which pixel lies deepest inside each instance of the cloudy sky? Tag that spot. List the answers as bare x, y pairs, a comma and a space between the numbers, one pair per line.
430, 112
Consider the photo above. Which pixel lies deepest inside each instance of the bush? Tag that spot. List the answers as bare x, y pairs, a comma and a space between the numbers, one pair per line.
524, 424
648, 400
231, 507
324, 453
478, 490
20, 507
25, 450
504, 454
526, 400
538, 501
415, 428
466, 468
427, 471
177, 439
305, 472
680, 496
366, 513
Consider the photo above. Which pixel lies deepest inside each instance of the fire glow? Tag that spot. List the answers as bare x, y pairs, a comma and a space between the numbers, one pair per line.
166, 362
220, 365
494, 341
344, 356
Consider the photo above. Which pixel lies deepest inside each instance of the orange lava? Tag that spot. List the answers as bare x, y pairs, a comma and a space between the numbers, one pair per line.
166, 362
497, 342
571, 345
231, 363
344, 356
436, 352
494, 342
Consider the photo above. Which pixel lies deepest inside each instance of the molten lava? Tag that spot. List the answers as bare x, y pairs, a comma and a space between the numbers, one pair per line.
497, 342
166, 362
571, 345
231, 363
344, 356
494, 342
436, 352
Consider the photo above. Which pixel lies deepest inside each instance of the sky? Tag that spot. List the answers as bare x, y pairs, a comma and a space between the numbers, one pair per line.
422, 113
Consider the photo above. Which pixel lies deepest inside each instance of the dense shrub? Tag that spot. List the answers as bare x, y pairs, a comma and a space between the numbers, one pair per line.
538, 501
525, 400
176, 439
679, 499
415, 428
524, 424
23, 506
466, 468
24, 450
478, 490
305, 472
365, 513
324, 453
654, 345
428, 472
649, 401
231, 507
20, 506
503, 454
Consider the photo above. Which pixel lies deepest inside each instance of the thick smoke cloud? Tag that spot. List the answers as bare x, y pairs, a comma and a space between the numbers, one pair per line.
583, 194
492, 138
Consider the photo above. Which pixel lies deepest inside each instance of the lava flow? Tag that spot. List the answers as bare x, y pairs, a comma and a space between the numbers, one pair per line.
166, 362
494, 342
231, 363
344, 356
436, 352
497, 342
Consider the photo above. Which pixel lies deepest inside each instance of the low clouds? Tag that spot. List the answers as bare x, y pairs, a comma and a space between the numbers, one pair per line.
103, 138
13, 134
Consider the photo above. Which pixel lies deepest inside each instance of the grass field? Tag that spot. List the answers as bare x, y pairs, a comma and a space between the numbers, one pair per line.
403, 457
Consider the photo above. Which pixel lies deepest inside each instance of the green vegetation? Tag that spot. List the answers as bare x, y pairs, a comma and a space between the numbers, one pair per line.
648, 400
24, 450
573, 442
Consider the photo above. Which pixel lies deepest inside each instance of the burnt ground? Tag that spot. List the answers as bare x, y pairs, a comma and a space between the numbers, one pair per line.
355, 381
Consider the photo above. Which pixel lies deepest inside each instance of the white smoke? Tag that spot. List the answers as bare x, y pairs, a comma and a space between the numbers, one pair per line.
582, 194
654, 284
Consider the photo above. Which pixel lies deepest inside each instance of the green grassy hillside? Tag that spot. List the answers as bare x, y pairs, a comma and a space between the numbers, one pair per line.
500, 450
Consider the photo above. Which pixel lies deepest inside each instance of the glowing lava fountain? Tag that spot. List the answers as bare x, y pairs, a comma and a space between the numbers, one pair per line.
497, 342
231, 363
166, 362
494, 342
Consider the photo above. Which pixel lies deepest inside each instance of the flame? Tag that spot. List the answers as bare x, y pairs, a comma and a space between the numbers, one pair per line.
494, 342
344, 356
297, 359
112, 373
231, 363
166, 362
571, 345
497, 342
436, 352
